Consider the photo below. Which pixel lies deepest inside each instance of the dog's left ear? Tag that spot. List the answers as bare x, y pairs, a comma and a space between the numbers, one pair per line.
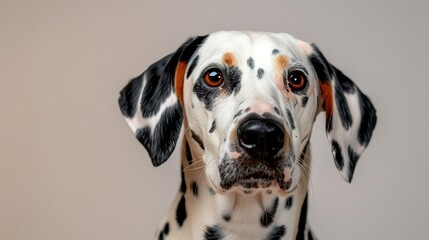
350, 115
151, 102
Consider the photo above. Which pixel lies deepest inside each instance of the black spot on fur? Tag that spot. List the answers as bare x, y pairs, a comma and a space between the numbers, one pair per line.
213, 127
343, 107
268, 216
276, 233
260, 73
346, 84
304, 151
338, 156
197, 139
181, 214
226, 217
354, 157
291, 121
212, 191
166, 133
277, 110
159, 82
250, 63
233, 83
161, 236
129, 95
194, 187
302, 220
247, 109
275, 51
183, 184
289, 202
188, 153
309, 235
213, 233
304, 101
206, 94
238, 114
166, 229
368, 119
192, 66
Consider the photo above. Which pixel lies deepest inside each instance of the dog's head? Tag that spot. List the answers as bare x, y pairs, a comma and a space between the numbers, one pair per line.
249, 100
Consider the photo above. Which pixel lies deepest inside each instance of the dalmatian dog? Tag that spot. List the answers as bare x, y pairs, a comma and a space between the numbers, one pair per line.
246, 102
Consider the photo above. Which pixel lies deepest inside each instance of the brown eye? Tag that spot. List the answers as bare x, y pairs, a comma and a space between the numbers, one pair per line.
213, 78
297, 80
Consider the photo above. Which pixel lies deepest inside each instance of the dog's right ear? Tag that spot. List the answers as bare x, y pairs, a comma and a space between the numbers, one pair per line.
151, 102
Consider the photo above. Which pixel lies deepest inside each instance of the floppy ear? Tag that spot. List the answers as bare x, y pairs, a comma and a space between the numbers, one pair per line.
150, 102
350, 115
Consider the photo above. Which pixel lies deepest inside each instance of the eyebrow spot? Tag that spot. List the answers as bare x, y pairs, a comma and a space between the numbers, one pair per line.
275, 51
282, 61
229, 59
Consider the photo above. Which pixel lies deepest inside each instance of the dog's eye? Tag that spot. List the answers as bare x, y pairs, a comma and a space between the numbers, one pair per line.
297, 80
213, 77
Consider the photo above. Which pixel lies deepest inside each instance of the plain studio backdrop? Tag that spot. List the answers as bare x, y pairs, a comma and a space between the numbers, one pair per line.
70, 167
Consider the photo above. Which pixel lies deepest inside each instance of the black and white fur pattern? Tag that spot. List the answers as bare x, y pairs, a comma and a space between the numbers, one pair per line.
227, 193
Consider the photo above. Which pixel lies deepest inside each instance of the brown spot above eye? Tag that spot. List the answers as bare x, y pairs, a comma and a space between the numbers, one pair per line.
178, 80
229, 59
281, 62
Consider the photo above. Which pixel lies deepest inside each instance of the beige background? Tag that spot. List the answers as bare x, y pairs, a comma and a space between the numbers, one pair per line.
70, 167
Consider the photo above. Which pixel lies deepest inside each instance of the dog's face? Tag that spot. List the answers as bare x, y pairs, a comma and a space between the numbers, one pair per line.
249, 100
252, 100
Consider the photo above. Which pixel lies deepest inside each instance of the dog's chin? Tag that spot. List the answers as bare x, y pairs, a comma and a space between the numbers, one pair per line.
257, 186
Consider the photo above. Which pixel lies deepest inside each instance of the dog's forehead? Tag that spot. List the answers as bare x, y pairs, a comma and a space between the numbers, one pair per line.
254, 44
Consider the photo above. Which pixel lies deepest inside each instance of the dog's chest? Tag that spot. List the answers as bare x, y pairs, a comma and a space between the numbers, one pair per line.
235, 217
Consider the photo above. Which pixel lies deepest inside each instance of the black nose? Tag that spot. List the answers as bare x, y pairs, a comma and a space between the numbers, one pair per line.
261, 138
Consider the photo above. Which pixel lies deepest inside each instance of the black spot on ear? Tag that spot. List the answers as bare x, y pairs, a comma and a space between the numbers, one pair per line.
346, 84
275, 51
309, 235
268, 216
226, 217
191, 68
354, 157
368, 119
166, 229
129, 96
159, 82
160, 145
183, 184
197, 139
213, 233
260, 73
291, 121
289, 202
188, 153
213, 127
276, 233
343, 107
250, 63
194, 187
338, 156
181, 214
161, 236
302, 220
304, 101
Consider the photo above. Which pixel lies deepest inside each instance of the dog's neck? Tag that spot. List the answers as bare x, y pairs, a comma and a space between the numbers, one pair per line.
200, 212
